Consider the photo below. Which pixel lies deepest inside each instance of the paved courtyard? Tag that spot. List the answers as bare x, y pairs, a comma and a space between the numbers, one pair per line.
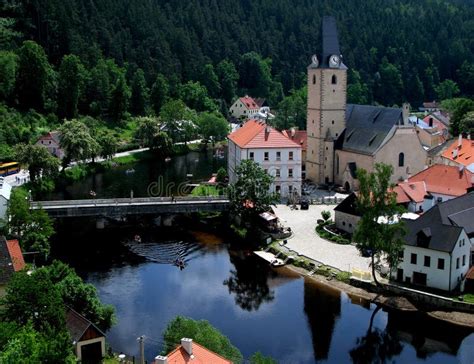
306, 242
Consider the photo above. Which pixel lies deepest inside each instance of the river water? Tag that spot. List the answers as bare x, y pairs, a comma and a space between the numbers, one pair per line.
275, 311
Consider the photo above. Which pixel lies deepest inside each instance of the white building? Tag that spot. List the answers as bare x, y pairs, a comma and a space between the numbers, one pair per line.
273, 151
437, 251
51, 141
5, 192
244, 108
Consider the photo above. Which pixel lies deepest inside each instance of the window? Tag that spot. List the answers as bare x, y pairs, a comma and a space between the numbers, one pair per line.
457, 263
290, 188
290, 172
278, 156
334, 79
440, 263
251, 156
277, 188
401, 160
266, 171
314, 79
350, 225
463, 260
265, 156
400, 255
460, 241
277, 172
332, 122
245, 111
427, 261
413, 258
343, 223
290, 157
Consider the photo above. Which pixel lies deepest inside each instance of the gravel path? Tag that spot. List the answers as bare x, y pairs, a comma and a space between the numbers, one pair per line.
306, 242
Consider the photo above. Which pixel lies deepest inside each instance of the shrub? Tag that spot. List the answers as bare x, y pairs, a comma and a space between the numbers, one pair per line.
326, 215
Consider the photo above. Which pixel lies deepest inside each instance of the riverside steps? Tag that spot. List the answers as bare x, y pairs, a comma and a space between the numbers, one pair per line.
131, 206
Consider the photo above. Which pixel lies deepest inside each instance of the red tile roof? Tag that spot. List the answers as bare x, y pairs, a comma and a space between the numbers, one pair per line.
299, 137
16, 255
465, 154
249, 102
201, 355
438, 124
442, 179
257, 134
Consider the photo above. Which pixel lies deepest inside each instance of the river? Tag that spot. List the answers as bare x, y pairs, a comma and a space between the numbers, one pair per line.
274, 311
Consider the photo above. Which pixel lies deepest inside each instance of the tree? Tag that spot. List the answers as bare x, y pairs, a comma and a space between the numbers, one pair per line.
38, 160
458, 108
77, 142
447, 90
201, 332
255, 75
390, 85
71, 84
8, 73
221, 175
80, 296
175, 116
212, 126
149, 134
228, 76
34, 298
139, 96
375, 199
108, 144
195, 96
291, 111
466, 78
259, 358
33, 228
119, 99
159, 93
357, 90
250, 194
34, 72
466, 125
210, 81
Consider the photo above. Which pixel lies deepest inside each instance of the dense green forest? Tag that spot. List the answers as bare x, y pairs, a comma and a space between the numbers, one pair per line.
112, 59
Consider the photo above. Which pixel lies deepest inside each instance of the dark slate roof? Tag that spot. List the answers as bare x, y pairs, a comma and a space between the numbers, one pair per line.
348, 205
441, 237
367, 127
6, 265
330, 39
77, 325
446, 221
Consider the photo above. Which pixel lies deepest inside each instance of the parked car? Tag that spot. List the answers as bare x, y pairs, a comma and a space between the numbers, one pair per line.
304, 204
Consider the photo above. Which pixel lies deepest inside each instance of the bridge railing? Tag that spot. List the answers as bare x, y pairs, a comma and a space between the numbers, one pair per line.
137, 200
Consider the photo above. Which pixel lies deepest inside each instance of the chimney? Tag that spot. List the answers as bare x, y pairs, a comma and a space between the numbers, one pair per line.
469, 136
187, 345
267, 132
455, 153
460, 141
161, 359
406, 112
293, 132
431, 123
461, 170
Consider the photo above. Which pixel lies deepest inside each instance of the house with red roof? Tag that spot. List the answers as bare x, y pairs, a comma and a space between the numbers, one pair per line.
244, 108
51, 141
274, 151
459, 153
433, 185
299, 137
191, 352
11, 259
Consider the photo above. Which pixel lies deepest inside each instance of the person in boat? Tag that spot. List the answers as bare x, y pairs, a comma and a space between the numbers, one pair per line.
138, 239
179, 263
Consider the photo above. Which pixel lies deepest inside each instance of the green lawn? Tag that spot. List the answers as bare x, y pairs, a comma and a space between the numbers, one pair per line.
468, 297
204, 190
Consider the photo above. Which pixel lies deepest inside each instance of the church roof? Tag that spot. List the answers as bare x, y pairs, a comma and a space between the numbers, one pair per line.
367, 127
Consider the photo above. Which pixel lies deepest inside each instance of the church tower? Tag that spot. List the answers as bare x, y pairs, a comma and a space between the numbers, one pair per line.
326, 109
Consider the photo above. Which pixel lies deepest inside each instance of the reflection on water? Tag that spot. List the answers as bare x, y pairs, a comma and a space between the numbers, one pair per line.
322, 306
258, 308
115, 182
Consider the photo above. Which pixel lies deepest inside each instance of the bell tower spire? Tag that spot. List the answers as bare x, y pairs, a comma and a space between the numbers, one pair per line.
326, 108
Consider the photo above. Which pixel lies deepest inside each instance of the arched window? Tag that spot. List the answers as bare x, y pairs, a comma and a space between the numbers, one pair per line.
314, 79
401, 160
334, 79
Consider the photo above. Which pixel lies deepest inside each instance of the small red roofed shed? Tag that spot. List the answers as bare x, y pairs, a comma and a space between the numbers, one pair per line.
191, 352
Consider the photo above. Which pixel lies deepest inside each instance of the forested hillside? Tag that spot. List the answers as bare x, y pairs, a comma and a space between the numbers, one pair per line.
112, 59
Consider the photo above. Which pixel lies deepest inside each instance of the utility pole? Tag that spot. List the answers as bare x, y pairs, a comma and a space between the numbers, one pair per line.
141, 342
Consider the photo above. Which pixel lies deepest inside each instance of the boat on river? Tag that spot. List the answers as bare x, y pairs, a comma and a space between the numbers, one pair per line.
270, 258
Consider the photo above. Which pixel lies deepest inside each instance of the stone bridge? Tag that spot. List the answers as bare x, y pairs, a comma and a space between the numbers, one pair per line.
117, 207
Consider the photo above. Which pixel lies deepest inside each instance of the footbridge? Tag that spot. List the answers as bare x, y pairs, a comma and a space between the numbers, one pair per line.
131, 206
